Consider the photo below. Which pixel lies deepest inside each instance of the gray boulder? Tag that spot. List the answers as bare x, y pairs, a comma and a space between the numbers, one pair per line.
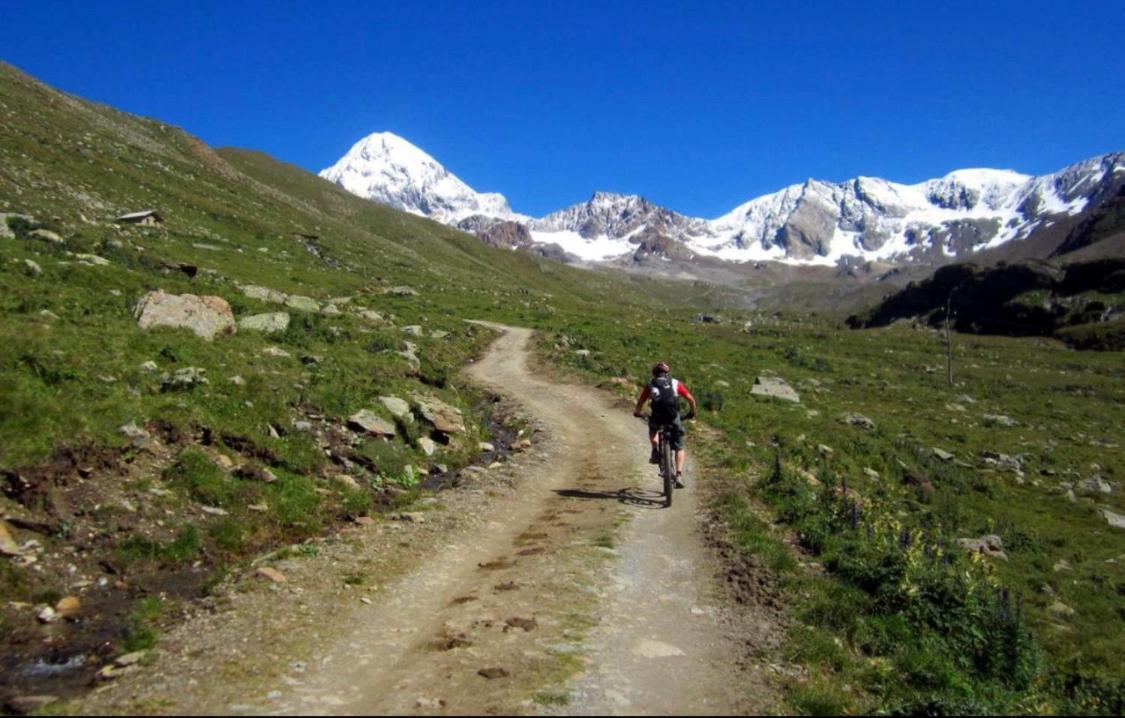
263, 294
46, 235
186, 378
371, 423
1115, 519
302, 304
442, 416
990, 545
775, 387
399, 408
1096, 484
207, 317
268, 322
859, 420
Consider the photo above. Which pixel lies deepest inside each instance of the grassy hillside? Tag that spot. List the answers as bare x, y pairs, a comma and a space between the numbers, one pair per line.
887, 611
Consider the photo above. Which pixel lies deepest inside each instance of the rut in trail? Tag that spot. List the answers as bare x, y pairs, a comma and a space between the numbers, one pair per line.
578, 571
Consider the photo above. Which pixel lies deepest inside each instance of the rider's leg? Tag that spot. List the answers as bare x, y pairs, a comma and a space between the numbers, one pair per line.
681, 457
654, 457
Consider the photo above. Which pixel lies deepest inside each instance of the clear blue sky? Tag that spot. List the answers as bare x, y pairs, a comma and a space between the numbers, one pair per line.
698, 106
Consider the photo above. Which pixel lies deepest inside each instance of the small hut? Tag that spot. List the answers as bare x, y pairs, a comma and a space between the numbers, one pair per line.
145, 218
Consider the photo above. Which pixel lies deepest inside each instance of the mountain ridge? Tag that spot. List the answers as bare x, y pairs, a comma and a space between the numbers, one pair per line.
814, 222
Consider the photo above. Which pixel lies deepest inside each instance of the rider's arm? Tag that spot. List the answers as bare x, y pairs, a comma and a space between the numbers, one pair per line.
641, 401
683, 392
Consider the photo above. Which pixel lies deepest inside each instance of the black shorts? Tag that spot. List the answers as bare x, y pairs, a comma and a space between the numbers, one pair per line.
677, 431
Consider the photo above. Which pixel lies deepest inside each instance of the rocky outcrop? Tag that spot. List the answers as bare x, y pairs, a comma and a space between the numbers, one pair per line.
441, 416
206, 317
775, 387
1020, 299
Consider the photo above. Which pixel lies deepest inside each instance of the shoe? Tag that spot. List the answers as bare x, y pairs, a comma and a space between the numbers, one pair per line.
654, 458
680, 481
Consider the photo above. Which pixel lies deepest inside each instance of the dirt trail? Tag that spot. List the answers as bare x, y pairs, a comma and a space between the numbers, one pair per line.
577, 570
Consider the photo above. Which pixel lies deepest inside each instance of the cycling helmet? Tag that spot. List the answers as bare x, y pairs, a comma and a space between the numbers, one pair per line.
660, 368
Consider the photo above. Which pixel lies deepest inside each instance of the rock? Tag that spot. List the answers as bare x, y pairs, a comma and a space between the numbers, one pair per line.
186, 378
237, 380
921, 482
149, 366
399, 408
46, 615
429, 703
92, 259
259, 508
1002, 461
414, 330
402, 291
213, 510
365, 521
989, 545
207, 317
22, 705
942, 454
824, 450
268, 322
1115, 519
270, 574
859, 420
999, 420
372, 423
438, 334
255, 473
68, 607
1095, 484
442, 416
776, 387
486, 447
46, 235
263, 294
311, 359
427, 445
110, 672
582, 352
330, 310
137, 437
129, 659
524, 444
1061, 565
302, 304
492, 673
371, 315
48, 314
414, 517
302, 425
8, 545
410, 354
870, 473
276, 352
1060, 609
526, 624
31, 268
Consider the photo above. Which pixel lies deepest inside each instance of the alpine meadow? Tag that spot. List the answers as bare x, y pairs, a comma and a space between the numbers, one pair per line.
229, 386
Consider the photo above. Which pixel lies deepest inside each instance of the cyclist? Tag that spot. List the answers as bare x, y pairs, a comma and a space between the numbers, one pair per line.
665, 393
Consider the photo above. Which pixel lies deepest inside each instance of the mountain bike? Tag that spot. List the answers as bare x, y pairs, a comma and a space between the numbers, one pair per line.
667, 464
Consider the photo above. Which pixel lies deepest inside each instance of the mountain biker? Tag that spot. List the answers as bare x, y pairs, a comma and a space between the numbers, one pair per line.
665, 393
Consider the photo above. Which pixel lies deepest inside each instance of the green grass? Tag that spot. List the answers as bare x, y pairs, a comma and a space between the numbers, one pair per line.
141, 633
905, 625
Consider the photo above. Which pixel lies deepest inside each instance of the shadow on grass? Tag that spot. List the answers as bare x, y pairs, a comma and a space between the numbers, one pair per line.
632, 496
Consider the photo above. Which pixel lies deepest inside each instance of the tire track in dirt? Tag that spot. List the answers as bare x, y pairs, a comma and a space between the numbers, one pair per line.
576, 588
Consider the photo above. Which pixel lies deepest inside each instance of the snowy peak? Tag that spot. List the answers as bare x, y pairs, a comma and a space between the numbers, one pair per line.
814, 222
388, 169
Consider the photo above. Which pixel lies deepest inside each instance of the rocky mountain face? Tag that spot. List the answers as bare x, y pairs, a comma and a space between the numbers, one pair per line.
817, 222
390, 170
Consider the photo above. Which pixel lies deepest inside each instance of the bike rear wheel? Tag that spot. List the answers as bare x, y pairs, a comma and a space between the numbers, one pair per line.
667, 468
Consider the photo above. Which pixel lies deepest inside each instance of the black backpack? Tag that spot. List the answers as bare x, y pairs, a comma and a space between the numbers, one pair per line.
665, 403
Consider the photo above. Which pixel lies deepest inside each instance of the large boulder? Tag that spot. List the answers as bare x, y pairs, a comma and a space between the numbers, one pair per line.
302, 304
775, 387
442, 416
207, 317
399, 408
371, 423
268, 322
263, 294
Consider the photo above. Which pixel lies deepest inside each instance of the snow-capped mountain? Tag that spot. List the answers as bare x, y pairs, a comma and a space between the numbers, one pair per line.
815, 222
388, 169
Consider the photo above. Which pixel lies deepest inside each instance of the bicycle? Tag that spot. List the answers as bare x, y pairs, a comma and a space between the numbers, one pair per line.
667, 463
